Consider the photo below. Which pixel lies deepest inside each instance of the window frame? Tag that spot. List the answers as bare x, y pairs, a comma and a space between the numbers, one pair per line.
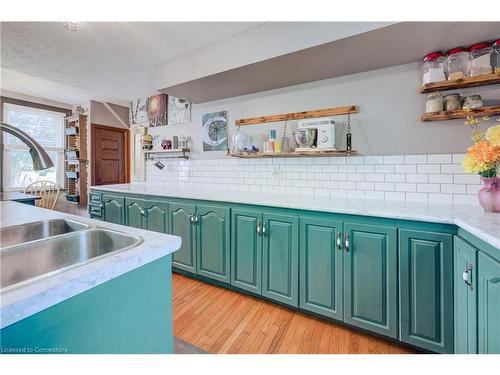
5, 149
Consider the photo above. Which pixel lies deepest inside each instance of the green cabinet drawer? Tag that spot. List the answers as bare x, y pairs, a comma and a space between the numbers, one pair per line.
280, 258
370, 277
321, 268
465, 296
213, 241
488, 305
426, 289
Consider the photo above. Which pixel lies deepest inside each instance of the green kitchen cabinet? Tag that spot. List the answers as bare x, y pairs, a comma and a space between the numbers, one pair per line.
213, 241
114, 208
134, 213
246, 249
280, 258
488, 311
321, 268
181, 217
370, 277
426, 289
156, 214
465, 296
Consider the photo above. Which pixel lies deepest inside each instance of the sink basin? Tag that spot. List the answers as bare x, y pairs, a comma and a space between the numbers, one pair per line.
37, 230
35, 259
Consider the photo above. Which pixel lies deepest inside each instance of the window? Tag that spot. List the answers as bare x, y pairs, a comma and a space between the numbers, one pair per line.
47, 128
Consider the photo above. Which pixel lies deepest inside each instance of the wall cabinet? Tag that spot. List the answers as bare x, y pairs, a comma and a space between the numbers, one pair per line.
114, 208
370, 277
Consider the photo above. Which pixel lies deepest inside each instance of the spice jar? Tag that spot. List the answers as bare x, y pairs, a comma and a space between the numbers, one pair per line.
495, 56
480, 59
434, 103
433, 68
452, 102
456, 63
472, 102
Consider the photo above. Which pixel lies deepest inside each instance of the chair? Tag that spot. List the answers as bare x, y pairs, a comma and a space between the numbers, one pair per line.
48, 192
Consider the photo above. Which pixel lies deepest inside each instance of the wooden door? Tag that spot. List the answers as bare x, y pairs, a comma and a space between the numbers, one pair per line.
109, 155
213, 241
182, 225
321, 283
246, 250
488, 305
426, 289
465, 293
280, 258
371, 278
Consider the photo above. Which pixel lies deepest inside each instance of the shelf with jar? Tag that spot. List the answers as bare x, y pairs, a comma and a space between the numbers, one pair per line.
459, 68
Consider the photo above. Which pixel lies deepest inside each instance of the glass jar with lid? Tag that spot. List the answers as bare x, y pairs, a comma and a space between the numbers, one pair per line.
452, 102
433, 68
495, 56
434, 103
480, 59
456, 63
473, 102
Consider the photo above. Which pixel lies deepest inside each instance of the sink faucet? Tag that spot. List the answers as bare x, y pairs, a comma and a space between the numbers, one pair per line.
41, 159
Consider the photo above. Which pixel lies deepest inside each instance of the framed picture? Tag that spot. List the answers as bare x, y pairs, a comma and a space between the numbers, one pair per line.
138, 113
179, 111
214, 131
157, 110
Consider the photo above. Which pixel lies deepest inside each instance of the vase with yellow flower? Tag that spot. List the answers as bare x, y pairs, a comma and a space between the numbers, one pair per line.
483, 158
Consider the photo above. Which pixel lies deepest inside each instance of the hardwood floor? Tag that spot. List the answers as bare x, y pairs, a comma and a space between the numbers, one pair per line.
223, 321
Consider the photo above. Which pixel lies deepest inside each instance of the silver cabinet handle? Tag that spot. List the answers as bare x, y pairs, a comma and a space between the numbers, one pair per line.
347, 242
196, 219
191, 218
142, 211
465, 276
339, 241
258, 229
264, 229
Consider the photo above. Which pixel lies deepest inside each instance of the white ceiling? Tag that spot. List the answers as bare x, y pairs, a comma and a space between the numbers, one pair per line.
110, 61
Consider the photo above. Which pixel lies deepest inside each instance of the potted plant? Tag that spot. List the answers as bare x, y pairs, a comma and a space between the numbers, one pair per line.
483, 158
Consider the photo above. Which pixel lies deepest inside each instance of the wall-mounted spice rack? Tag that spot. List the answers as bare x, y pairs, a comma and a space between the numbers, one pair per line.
176, 153
460, 113
298, 115
484, 80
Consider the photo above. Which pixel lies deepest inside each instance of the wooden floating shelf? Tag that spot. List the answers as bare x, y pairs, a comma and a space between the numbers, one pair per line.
157, 153
293, 154
484, 80
298, 115
460, 113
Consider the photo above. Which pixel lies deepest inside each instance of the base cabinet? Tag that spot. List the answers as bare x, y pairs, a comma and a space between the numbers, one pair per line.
488, 311
370, 277
465, 294
114, 208
321, 268
181, 216
426, 289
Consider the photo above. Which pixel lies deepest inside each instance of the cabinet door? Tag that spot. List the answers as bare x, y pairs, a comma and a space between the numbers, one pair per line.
246, 250
426, 289
321, 266
181, 225
465, 297
280, 258
114, 208
370, 278
488, 305
156, 216
134, 213
213, 242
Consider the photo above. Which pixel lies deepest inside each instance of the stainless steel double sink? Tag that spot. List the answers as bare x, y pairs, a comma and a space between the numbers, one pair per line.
35, 250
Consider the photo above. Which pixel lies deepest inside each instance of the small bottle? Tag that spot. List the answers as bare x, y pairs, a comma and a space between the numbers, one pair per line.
272, 140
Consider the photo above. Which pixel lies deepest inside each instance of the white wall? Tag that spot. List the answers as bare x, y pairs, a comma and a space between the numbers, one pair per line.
101, 115
388, 122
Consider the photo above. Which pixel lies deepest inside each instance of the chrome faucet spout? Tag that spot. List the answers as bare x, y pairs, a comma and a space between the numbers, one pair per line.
41, 159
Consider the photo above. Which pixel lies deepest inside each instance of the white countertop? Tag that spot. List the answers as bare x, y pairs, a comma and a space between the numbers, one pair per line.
472, 219
33, 297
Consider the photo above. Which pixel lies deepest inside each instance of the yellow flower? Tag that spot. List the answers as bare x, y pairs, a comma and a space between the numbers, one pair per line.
493, 135
472, 165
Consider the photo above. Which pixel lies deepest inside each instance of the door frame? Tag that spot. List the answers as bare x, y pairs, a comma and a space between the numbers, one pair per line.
126, 147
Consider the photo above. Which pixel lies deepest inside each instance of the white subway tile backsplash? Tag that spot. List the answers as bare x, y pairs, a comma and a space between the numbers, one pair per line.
420, 178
